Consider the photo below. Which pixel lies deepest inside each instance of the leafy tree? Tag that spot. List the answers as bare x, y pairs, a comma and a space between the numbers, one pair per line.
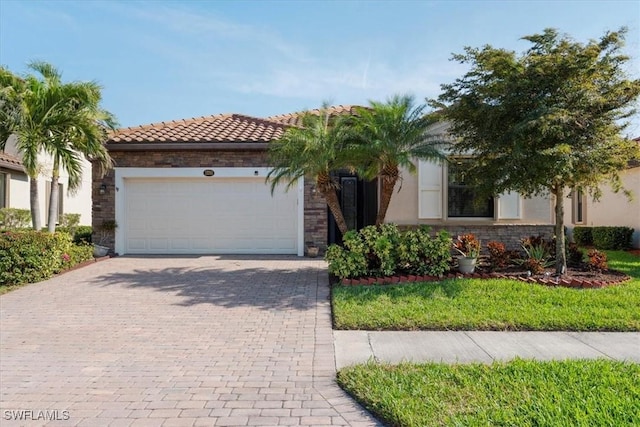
391, 135
63, 120
544, 121
314, 150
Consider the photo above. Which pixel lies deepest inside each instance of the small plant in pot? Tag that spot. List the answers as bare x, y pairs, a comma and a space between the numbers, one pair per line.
105, 231
469, 248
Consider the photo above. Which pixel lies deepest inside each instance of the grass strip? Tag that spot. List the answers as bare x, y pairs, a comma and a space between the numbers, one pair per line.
494, 304
515, 393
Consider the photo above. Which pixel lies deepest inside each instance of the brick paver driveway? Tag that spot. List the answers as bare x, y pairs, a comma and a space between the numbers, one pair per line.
161, 341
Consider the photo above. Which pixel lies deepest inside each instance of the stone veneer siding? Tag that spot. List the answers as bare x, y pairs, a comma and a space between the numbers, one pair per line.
509, 234
315, 212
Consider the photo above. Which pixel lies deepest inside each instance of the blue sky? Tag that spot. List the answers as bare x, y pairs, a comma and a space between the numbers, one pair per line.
164, 60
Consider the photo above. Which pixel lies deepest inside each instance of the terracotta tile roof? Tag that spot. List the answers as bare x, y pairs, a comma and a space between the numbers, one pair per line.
10, 162
218, 128
295, 119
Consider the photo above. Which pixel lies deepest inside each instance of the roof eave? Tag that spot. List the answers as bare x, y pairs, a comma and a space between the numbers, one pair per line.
11, 166
187, 146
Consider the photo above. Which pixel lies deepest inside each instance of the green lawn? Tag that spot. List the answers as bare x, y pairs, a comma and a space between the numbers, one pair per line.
515, 393
477, 304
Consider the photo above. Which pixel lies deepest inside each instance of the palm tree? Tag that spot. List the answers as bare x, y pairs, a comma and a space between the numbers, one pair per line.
314, 150
391, 136
26, 119
62, 120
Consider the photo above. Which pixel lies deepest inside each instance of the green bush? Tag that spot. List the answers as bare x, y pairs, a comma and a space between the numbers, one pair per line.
612, 238
384, 251
79, 234
420, 253
77, 254
582, 236
83, 234
11, 218
31, 256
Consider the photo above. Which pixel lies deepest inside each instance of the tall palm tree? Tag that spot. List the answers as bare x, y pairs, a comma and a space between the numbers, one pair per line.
391, 136
314, 150
63, 120
25, 114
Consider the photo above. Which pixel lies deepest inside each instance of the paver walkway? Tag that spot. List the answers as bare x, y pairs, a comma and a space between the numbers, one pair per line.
187, 341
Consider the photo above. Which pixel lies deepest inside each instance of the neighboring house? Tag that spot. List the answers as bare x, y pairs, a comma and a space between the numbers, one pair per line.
613, 209
197, 186
14, 184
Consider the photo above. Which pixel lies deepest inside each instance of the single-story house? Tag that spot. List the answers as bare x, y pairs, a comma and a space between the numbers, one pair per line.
197, 186
612, 209
14, 186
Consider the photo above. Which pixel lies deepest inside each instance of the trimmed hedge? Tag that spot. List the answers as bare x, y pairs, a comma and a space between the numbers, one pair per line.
32, 256
609, 238
612, 238
582, 236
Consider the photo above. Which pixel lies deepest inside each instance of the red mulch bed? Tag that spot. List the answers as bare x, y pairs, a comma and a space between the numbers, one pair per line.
574, 278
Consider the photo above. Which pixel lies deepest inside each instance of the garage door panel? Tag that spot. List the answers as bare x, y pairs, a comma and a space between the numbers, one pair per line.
228, 215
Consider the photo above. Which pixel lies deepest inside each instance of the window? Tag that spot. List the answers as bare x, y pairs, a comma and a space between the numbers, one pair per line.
4, 181
462, 199
60, 201
578, 206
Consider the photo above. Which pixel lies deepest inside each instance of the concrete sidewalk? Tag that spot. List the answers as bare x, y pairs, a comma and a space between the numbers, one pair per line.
353, 347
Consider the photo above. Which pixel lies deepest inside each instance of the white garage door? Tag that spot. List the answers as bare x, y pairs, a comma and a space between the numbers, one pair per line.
208, 216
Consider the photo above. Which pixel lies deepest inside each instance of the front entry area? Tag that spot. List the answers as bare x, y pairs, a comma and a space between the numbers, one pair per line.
359, 202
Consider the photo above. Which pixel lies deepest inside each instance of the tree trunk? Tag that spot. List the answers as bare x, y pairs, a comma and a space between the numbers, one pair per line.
53, 198
331, 197
561, 259
388, 179
34, 203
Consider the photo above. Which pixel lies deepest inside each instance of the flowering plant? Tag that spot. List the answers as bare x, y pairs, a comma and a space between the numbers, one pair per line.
467, 245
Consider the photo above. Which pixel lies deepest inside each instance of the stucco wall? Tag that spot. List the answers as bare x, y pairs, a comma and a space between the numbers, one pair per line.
613, 209
79, 203
404, 207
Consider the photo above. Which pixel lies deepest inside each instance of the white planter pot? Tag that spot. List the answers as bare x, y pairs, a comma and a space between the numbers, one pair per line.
100, 251
467, 265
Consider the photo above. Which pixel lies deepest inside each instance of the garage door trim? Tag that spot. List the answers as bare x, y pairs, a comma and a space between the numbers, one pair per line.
219, 173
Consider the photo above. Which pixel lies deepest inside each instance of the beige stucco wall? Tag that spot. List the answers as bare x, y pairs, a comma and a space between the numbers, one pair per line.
613, 209
404, 206
19, 188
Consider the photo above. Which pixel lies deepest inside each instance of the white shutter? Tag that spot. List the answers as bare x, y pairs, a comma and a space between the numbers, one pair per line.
509, 206
429, 190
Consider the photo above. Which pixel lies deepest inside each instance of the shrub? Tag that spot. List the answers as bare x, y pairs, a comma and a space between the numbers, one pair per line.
612, 238
83, 234
77, 254
597, 260
582, 236
380, 243
31, 256
574, 255
498, 256
419, 253
467, 245
538, 254
350, 260
383, 250
11, 218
